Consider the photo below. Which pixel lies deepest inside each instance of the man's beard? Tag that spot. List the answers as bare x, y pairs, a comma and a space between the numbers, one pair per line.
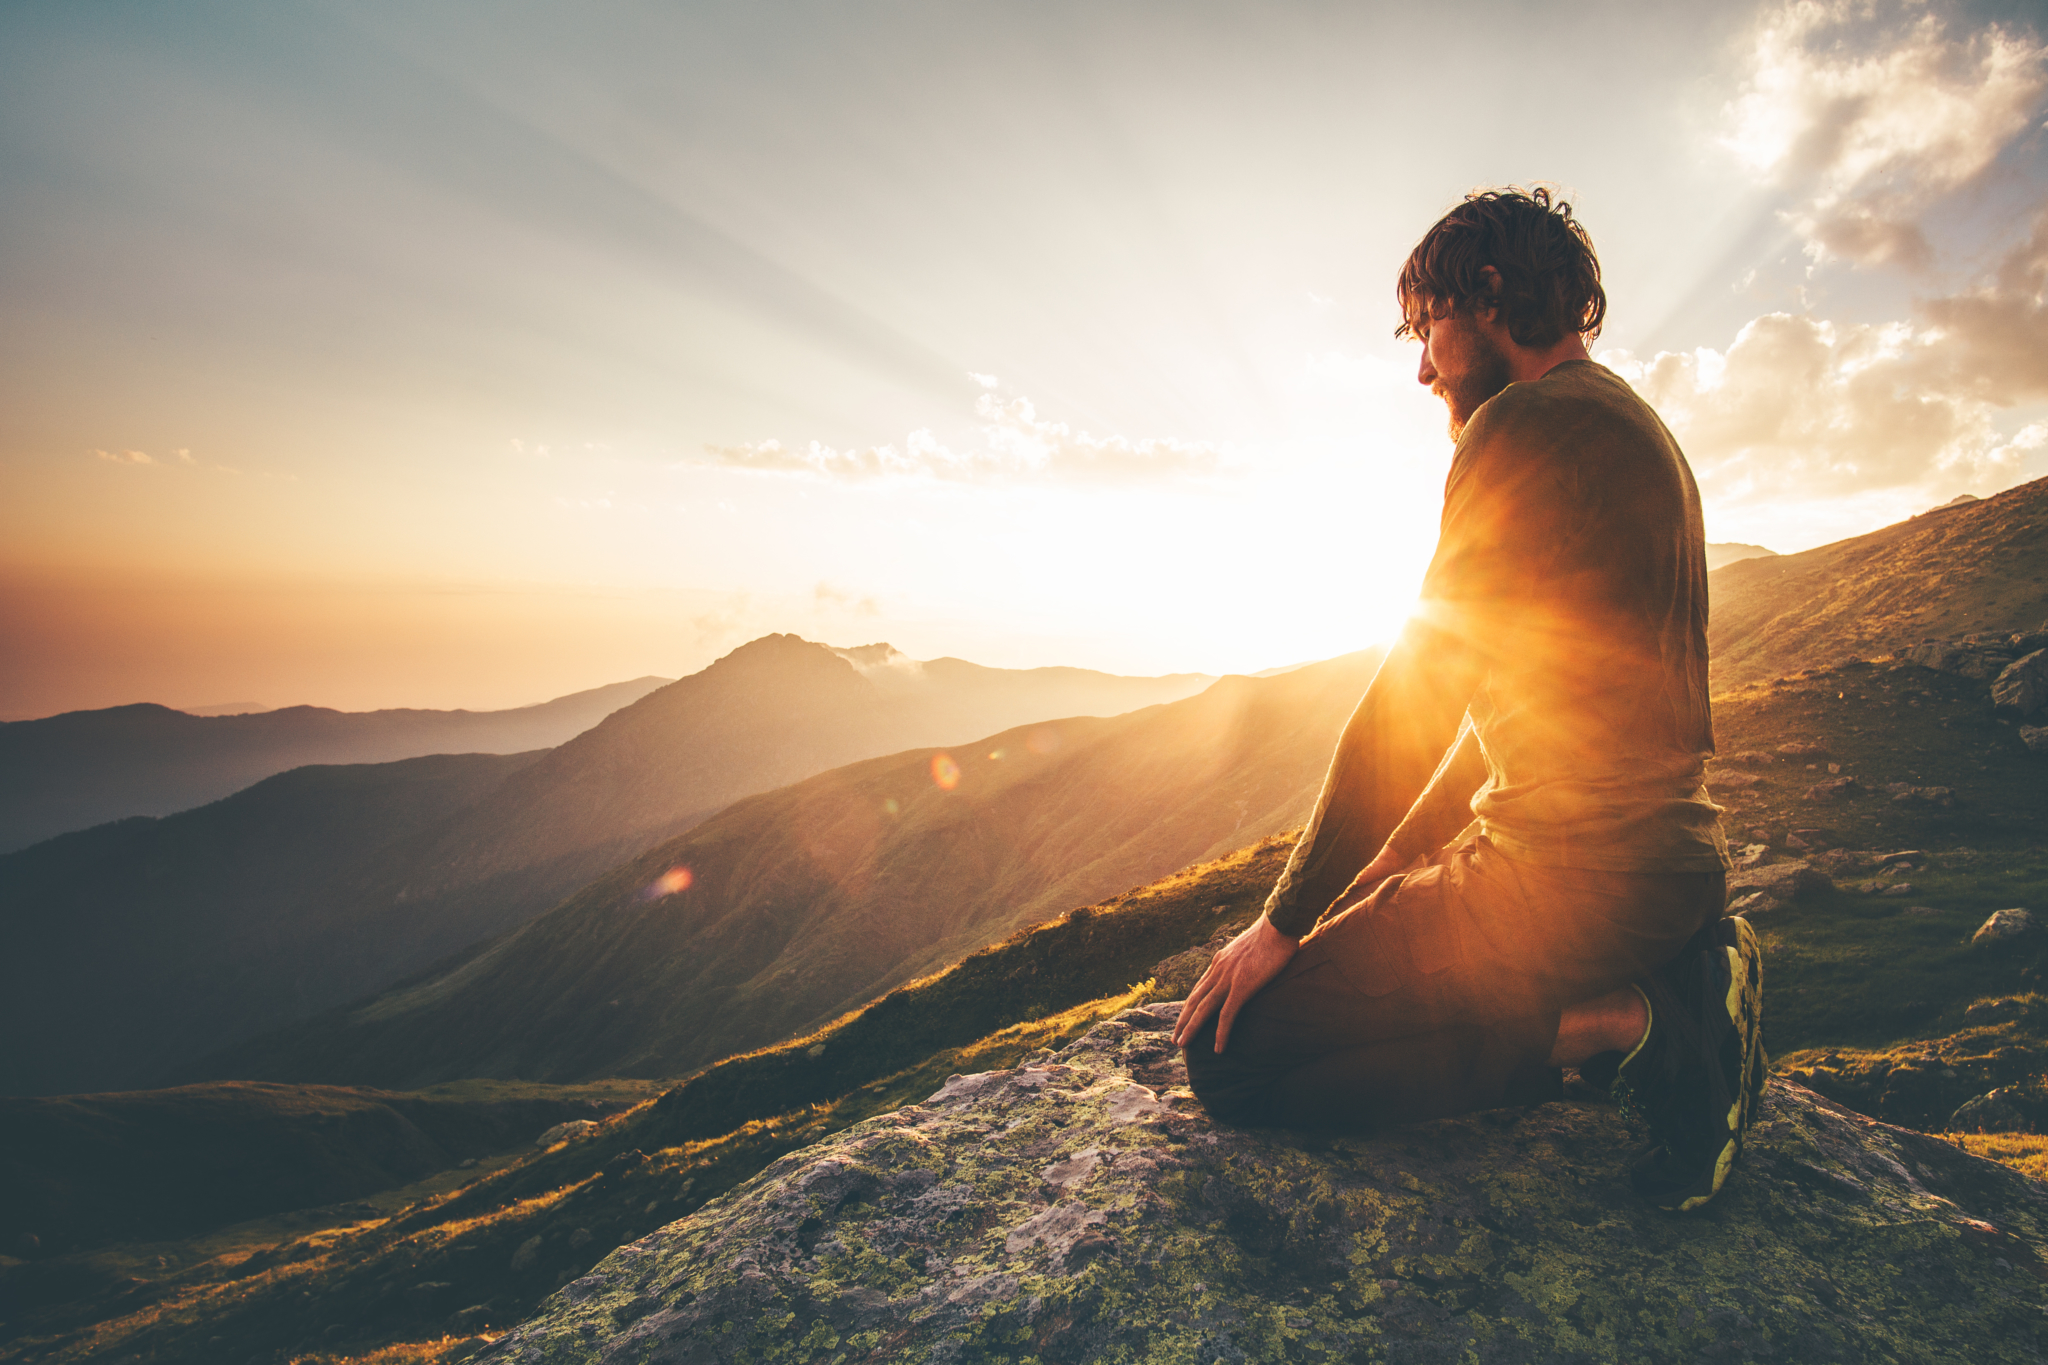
1487, 376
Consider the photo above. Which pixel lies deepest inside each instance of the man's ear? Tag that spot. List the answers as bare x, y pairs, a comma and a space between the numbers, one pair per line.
1487, 312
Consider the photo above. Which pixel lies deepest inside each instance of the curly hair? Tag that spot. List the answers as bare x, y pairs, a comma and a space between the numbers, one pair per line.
1549, 275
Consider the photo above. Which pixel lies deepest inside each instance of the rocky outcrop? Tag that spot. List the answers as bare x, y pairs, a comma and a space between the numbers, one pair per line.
2022, 689
1082, 1207
2005, 925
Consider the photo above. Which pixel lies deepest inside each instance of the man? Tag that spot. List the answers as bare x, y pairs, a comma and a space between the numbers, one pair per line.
1415, 962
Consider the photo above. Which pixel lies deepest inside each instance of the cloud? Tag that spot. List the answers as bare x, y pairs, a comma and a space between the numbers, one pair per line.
124, 456
1871, 110
1019, 445
1801, 408
1994, 339
825, 597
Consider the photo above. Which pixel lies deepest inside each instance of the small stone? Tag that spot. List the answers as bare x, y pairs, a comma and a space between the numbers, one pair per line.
2004, 925
1747, 758
1834, 789
1736, 781
2035, 737
1749, 855
562, 1132
1779, 881
1897, 889
1803, 749
1922, 910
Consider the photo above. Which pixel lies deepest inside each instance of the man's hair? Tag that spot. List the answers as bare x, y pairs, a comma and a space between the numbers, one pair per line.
1549, 276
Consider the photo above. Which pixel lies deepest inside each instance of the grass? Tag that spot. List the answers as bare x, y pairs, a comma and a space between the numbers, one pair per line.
2026, 1153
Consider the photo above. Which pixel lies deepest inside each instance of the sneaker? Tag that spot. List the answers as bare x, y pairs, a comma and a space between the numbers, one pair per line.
1698, 1073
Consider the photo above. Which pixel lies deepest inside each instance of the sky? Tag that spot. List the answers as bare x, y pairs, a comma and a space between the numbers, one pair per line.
419, 354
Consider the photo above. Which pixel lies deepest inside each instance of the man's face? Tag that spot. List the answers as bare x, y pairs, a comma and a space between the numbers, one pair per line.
1461, 363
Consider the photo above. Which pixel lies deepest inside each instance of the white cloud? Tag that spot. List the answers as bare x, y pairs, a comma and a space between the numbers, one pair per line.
1799, 408
1870, 110
1018, 445
124, 456
825, 597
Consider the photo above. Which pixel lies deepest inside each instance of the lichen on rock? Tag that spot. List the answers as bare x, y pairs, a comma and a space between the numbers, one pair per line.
1082, 1207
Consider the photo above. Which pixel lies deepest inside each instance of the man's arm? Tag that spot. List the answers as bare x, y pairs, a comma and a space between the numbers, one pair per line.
1390, 749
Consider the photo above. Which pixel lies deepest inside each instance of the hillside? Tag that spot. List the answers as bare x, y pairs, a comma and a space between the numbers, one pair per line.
154, 942
140, 944
1968, 567
1729, 552
85, 768
807, 901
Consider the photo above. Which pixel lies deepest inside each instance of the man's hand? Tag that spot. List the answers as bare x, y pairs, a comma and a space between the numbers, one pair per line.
1368, 881
1236, 974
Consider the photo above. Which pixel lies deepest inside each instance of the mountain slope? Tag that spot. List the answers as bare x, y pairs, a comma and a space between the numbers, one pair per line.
137, 944
85, 768
152, 946
806, 901
1979, 566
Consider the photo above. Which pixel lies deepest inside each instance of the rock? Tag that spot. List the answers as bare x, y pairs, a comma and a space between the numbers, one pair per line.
1754, 903
2004, 925
1922, 910
1804, 749
1175, 976
562, 1132
1980, 661
1087, 1209
1736, 781
466, 1164
1747, 758
526, 1254
1904, 855
579, 1239
2035, 737
1896, 889
2022, 688
1841, 862
1780, 881
1995, 1011
1834, 789
1922, 796
1995, 1111
1749, 855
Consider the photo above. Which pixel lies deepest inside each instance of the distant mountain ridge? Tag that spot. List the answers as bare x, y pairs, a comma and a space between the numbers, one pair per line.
807, 901
1970, 566
147, 943
84, 768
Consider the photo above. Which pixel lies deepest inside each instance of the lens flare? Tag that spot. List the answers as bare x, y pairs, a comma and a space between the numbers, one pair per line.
676, 879
945, 772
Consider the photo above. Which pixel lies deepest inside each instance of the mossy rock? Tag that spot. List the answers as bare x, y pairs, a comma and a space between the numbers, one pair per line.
1082, 1207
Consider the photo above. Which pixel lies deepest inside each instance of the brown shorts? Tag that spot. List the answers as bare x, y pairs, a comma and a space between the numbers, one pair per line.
1440, 994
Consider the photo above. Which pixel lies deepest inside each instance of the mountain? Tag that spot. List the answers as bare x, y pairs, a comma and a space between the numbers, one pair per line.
791, 907
84, 768
147, 943
1728, 553
137, 945
1979, 566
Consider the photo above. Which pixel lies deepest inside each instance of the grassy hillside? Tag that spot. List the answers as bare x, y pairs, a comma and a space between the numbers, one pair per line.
1973, 567
135, 946
85, 768
80, 1171
431, 1263
805, 902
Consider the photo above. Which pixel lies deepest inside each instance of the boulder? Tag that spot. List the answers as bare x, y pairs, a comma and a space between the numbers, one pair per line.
1750, 855
2022, 688
561, 1132
1906, 794
1995, 1111
1995, 1011
1780, 881
1982, 661
2003, 926
1834, 789
2035, 737
1803, 749
1082, 1207
1841, 862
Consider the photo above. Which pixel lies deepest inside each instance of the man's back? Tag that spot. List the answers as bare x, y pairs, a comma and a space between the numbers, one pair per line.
1572, 558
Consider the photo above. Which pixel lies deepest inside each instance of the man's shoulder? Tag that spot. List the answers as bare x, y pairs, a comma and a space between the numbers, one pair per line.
1575, 401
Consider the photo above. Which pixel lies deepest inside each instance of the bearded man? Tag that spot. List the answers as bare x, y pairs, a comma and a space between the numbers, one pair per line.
1415, 961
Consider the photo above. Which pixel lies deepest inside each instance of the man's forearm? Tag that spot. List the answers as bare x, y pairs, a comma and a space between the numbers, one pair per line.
1389, 751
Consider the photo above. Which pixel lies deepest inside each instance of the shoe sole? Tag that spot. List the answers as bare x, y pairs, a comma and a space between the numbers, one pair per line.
1745, 1005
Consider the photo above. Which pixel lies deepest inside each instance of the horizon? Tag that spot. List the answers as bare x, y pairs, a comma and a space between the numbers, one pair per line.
372, 357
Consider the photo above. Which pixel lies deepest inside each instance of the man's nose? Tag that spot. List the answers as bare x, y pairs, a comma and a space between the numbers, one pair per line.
1425, 374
